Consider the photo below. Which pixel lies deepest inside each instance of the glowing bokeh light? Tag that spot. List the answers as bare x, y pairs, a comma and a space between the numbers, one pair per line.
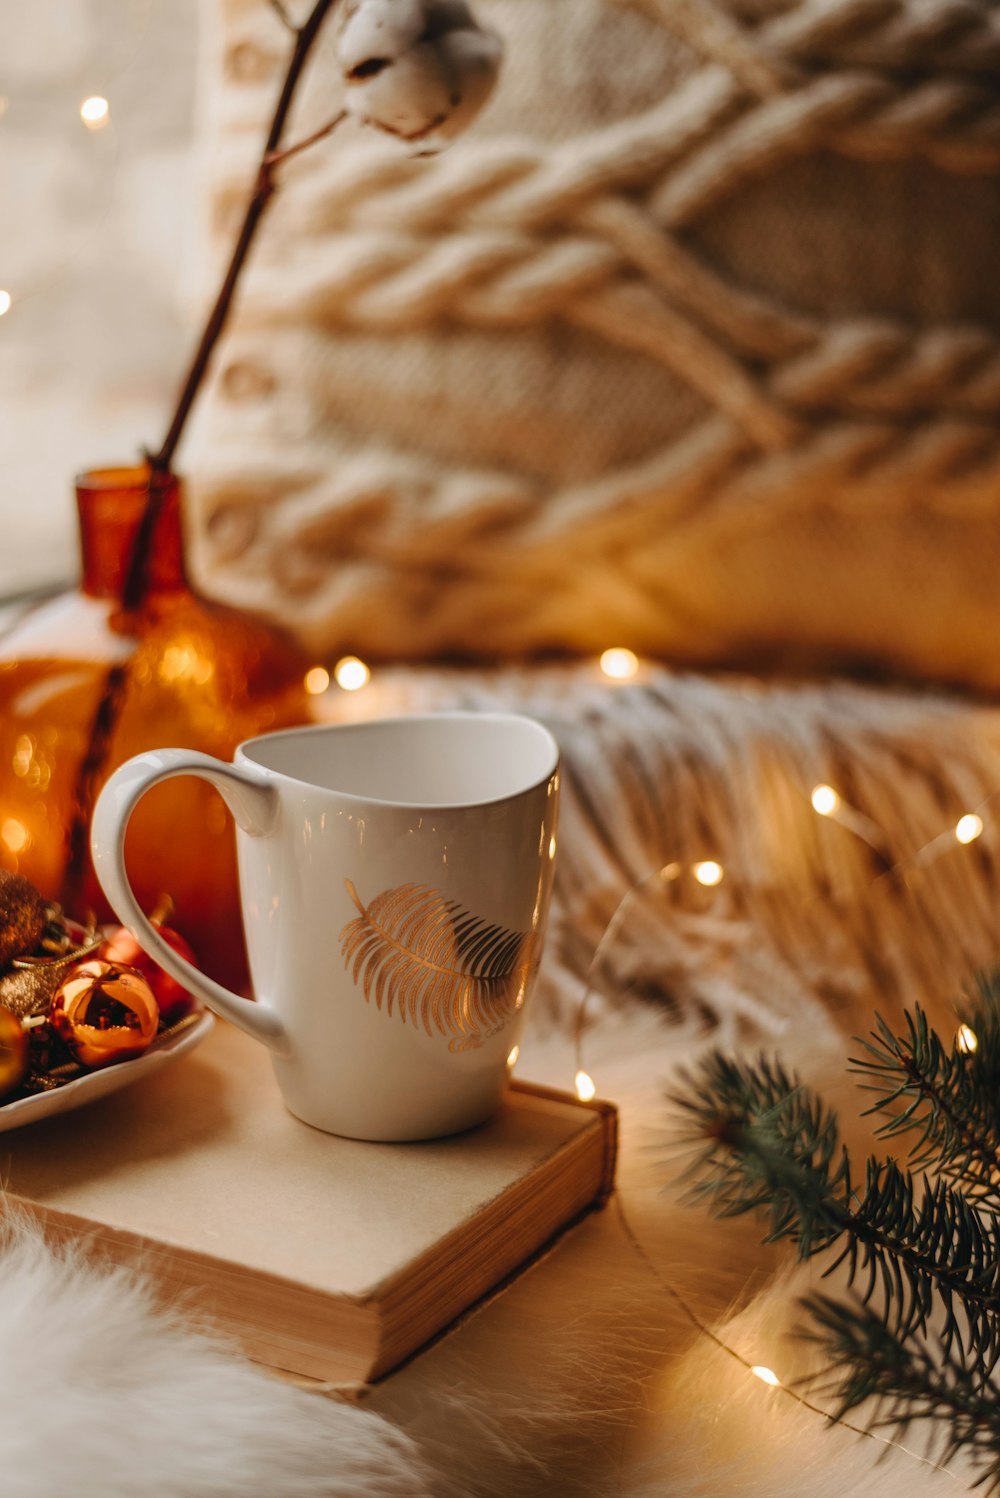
351, 674
95, 112
619, 664
585, 1088
966, 1040
14, 834
969, 828
825, 800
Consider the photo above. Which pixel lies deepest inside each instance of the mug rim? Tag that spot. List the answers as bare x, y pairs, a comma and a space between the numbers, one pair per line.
240, 755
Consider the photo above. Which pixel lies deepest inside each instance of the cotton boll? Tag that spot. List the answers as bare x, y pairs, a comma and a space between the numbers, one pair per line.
410, 97
379, 31
472, 62
420, 69
447, 15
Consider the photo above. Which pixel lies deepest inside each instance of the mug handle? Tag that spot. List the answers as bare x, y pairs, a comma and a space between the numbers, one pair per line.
253, 803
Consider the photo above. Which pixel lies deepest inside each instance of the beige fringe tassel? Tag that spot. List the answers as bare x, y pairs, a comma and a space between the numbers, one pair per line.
817, 920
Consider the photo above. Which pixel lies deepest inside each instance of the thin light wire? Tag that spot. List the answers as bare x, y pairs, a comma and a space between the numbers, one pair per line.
607, 937
868, 831
705, 1330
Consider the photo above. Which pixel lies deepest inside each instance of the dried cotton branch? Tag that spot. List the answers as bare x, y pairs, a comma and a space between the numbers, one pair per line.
419, 69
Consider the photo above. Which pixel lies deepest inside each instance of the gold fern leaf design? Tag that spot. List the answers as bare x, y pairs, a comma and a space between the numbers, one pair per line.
435, 963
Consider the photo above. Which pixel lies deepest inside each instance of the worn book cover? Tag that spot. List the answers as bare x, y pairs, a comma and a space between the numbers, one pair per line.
326, 1257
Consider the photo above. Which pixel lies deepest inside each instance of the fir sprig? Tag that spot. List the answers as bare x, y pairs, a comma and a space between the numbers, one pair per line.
766, 1144
769, 1145
945, 1098
910, 1379
921, 1335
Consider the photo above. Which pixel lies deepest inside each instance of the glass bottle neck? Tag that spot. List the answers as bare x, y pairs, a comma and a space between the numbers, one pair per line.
110, 506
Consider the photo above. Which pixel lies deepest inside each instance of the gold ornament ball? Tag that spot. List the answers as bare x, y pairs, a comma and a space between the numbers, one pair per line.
105, 1012
13, 1051
22, 916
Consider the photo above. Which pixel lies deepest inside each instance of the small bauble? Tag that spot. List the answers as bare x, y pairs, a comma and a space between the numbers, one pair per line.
23, 914
29, 983
104, 1012
13, 1052
29, 990
120, 946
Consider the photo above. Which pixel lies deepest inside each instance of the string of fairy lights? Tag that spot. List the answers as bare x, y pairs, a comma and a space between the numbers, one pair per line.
350, 674
827, 803
618, 664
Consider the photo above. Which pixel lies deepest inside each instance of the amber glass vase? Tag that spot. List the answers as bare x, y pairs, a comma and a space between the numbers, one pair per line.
188, 672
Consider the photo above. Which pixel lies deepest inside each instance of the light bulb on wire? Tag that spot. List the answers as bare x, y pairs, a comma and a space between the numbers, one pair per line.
95, 112
619, 664
966, 1040
969, 828
825, 800
350, 674
585, 1086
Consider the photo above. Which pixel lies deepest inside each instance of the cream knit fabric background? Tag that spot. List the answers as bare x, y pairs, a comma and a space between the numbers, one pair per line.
691, 345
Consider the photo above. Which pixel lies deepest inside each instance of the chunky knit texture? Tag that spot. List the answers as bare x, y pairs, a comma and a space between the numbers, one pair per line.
692, 344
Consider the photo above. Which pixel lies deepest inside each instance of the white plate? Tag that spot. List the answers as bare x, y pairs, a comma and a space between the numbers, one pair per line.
97, 1084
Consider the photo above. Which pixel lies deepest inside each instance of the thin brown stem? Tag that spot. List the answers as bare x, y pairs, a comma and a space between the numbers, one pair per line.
305, 36
281, 12
161, 461
276, 158
93, 766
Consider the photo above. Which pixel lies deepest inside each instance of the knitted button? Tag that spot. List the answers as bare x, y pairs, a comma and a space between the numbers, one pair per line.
248, 63
232, 530
245, 381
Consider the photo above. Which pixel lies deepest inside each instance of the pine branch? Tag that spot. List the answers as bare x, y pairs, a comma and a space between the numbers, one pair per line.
946, 1099
925, 1251
767, 1145
922, 1338
910, 1379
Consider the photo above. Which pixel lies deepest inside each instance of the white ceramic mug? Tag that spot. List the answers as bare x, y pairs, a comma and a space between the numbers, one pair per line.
395, 879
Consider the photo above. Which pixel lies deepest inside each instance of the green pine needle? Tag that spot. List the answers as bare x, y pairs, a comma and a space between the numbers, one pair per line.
945, 1100
909, 1379
922, 1252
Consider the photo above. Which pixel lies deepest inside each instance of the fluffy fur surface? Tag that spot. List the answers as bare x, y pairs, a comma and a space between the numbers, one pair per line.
102, 1396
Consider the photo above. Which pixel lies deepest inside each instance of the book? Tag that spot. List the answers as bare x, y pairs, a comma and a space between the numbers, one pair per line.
327, 1258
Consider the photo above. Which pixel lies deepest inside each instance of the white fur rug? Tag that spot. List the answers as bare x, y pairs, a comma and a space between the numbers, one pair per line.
586, 1379
103, 1396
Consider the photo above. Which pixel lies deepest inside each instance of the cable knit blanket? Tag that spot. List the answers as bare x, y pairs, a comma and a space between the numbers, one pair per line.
587, 1377
691, 345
